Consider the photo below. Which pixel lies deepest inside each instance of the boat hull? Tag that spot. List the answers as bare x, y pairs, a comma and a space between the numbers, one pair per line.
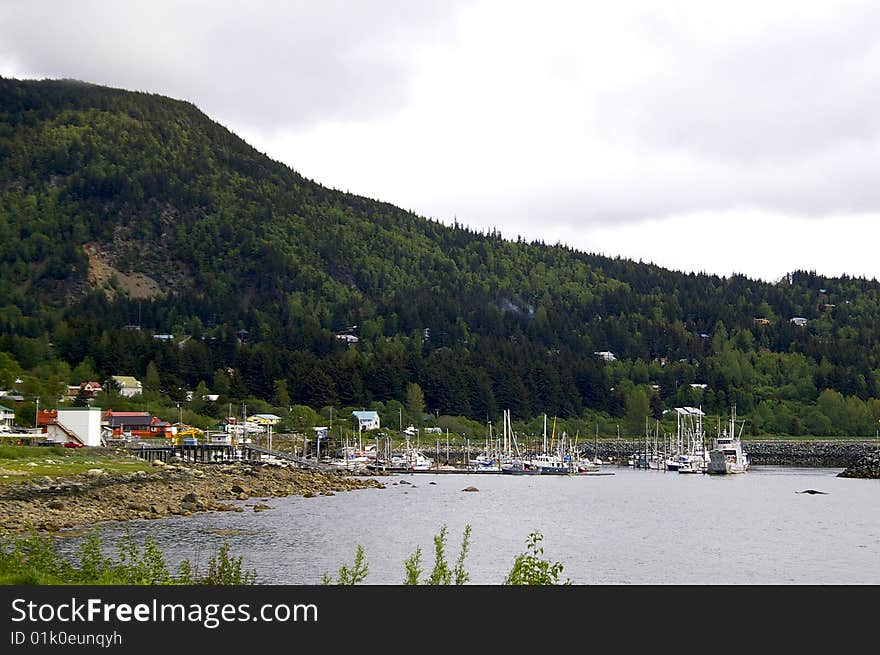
520, 471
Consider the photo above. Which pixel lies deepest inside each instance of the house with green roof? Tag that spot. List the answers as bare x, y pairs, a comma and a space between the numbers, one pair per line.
128, 386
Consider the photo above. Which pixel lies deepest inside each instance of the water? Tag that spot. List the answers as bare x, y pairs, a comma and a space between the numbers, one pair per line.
635, 527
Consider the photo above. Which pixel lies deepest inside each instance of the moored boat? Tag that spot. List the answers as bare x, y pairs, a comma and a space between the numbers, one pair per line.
727, 456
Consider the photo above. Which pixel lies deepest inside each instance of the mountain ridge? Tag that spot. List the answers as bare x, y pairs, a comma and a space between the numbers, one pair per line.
126, 208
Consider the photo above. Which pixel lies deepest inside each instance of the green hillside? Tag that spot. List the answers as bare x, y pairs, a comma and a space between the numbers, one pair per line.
123, 210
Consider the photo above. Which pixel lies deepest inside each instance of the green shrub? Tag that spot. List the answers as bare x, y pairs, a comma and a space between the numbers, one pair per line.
531, 568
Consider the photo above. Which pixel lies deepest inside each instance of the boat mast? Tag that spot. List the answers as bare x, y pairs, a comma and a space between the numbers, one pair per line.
545, 434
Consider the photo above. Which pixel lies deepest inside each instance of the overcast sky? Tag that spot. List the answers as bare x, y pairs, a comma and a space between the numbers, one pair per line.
703, 136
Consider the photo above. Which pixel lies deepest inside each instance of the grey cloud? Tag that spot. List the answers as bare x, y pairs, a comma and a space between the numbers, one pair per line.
262, 63
798, 87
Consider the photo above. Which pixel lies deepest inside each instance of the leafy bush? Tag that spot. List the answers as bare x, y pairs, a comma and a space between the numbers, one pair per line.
530, 568
33, 560
350, 576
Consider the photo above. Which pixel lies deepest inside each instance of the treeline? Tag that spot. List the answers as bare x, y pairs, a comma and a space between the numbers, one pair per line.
260, 269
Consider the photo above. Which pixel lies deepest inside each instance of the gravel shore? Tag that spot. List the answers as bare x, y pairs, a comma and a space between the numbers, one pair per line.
50, 504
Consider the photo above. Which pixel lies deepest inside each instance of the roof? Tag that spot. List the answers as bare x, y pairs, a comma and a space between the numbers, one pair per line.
129, 421
365, 416
268, 417
689, 411
127, 380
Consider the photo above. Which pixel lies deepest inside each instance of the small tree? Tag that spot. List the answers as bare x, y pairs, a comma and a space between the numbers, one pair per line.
531, 568
350, 576
415, 400
441, 574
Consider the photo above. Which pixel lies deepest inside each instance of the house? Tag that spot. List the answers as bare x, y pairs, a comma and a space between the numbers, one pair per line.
347, 338
209, 397
7, 416
264, 419
91, 387
78, 425
762, 321
75, 424
366, 420
800, 321
698, 386
605, 355
128, 386
136, 424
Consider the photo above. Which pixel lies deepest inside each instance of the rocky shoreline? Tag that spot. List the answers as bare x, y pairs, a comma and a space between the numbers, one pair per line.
48, 504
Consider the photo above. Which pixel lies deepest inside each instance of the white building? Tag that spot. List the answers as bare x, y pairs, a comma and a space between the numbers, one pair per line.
799, 321
76, 424
366, 420
128, 386
7, 416
606, 355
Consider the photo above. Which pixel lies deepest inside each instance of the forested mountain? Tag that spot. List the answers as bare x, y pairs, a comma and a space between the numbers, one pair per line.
128, 215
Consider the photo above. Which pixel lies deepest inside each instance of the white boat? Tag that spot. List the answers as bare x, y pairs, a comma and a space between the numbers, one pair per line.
727, 455
484, 462
549, 463
411, 460
689, 454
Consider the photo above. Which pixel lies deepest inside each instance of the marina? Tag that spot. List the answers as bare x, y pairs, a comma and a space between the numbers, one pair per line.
613, 530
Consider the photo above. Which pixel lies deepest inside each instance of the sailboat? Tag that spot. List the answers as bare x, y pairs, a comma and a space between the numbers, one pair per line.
517, 465
487, 461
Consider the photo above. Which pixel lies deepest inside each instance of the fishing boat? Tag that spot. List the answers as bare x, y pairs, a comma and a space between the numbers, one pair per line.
688, 451
519, 467
727, 456
550, 464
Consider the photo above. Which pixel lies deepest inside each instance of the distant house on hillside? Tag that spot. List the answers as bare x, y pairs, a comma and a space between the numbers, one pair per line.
800, 321
366, 420
762, 321
605, 355
264, 419
128, 386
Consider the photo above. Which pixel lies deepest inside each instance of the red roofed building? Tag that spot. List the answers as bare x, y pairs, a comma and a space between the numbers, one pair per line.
137, 424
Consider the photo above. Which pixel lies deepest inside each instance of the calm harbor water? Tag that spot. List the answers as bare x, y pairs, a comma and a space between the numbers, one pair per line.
634, 527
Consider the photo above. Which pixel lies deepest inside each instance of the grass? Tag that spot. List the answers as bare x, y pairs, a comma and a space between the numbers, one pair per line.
32, 560
19, 463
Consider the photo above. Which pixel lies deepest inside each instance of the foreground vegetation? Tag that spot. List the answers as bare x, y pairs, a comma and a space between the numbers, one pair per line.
33, 560
529, 567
